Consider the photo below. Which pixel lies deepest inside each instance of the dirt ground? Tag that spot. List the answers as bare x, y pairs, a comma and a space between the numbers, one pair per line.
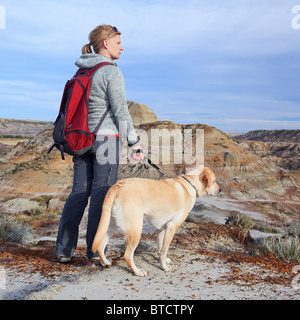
210, 261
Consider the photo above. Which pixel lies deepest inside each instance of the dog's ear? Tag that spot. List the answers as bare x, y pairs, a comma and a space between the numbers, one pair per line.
205, 177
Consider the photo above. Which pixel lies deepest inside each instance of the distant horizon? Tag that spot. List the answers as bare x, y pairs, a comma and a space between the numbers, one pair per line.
233, 65
227, 132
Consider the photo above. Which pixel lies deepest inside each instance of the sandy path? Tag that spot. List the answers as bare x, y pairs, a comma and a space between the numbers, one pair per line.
194, 276
210, 261
197, 280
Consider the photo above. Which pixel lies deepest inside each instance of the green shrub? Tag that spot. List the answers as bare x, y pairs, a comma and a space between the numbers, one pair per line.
267, 229
241, 220
43, 199
294, 229
34, 212
15, 137
287, 248
12, 231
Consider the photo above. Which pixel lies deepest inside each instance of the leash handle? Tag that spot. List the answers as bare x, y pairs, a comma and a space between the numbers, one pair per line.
134, 151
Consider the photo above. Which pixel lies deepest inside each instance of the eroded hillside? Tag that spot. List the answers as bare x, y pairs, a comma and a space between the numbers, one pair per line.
28, 172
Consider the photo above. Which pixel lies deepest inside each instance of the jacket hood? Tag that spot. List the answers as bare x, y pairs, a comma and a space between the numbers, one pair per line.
87, 61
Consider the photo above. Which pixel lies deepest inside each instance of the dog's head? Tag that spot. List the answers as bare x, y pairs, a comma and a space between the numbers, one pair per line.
205, 181
208, 180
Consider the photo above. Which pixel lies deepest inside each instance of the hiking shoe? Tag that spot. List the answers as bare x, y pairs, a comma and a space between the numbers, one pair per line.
93, 258
63, 259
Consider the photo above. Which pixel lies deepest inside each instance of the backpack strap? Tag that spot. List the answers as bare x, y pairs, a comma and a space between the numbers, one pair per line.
91, 71
101, 120
98, 66
58, 146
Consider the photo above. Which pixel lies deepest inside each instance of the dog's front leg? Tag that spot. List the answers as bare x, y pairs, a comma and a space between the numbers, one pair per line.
160, 241
168, 236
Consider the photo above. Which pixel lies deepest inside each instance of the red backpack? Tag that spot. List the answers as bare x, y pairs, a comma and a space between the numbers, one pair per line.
71, 133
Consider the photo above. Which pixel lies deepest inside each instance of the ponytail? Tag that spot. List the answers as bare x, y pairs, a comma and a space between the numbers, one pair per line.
87, 49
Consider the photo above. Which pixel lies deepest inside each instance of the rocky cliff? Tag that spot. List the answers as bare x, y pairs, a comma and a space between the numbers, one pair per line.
28, 128
282, 147
271, 136
140, 113
32, 181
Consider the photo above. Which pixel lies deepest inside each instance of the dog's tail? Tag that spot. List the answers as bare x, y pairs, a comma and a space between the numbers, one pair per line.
105, 218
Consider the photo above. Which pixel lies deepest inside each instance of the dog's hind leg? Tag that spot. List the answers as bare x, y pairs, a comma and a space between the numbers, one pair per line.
111, 230
133, 236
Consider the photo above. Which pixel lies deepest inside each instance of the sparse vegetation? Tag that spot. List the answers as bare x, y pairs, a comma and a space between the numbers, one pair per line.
294, 230
267, 229
221, 145
43, 200
241, 220
286, 248
34, 212
63, 198
10, 136
8, 198
37, 217
13, 231
33, 164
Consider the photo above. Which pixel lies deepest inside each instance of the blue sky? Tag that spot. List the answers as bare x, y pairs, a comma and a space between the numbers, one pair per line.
231, 64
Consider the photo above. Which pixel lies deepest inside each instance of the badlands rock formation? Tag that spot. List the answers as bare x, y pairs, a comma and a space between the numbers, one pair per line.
27, 172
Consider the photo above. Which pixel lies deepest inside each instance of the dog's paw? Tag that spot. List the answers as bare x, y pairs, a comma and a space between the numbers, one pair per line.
105, 262
167, 268
165, 264
141, 273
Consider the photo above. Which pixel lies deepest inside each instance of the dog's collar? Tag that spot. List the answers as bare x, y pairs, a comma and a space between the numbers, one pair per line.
189, 182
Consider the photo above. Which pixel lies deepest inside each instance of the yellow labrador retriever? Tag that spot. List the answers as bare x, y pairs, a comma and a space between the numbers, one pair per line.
165, 204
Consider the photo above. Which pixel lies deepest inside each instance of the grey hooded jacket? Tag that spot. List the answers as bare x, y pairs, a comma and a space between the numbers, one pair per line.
108, 87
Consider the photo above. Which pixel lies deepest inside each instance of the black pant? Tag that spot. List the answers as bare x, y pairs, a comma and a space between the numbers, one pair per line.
92, 178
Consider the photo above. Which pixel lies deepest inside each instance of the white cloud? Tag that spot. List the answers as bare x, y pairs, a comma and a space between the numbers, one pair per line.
179, 55
153, 27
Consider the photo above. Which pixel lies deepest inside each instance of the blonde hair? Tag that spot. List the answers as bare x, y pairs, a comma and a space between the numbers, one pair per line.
97, 36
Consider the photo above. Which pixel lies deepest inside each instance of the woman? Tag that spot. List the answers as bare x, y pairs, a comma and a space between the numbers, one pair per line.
95, 172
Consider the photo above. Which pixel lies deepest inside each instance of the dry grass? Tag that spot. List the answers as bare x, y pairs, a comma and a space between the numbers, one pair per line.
286, 248
13, 231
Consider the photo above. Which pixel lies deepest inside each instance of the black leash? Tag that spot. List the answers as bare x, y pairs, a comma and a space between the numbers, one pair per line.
157, 168
151, 163
160, 171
